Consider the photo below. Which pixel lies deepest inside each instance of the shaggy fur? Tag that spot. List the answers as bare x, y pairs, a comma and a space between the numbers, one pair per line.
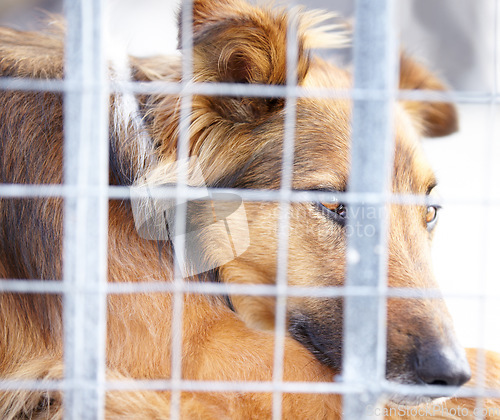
238, 142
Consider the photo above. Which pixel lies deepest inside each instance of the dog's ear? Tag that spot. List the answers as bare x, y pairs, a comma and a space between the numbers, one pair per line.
234, 42
435, 119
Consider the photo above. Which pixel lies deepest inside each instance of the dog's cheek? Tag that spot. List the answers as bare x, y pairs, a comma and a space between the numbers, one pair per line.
317, 248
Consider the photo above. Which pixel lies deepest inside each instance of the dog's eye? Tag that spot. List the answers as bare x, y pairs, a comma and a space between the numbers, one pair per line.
431, 216
336, 210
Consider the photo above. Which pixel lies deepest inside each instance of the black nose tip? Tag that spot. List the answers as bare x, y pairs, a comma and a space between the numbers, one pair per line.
439, 368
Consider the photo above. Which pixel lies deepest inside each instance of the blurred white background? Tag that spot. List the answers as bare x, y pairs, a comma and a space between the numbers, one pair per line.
456, 38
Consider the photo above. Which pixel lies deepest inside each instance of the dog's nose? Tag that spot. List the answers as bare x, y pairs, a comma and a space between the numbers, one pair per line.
443, 367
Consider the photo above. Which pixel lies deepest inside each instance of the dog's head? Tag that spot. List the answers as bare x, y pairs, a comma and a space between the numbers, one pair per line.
239, 143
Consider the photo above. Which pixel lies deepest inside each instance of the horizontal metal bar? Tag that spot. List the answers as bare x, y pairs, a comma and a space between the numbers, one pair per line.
251, 195
32, 286
57, 287
237, 386
130, 385
253, 90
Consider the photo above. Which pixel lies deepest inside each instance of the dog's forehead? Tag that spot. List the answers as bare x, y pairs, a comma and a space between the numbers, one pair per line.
322, 146
324, 136
412, 171
322, 149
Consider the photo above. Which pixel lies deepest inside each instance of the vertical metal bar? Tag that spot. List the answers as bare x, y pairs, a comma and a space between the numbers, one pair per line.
284, 219
488, 190
181, 209
371, 166
86, 215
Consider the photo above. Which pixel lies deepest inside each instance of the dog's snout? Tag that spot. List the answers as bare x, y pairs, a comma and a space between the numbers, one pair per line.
443, 367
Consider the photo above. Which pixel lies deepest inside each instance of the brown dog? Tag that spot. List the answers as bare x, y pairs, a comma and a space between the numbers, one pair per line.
238, 143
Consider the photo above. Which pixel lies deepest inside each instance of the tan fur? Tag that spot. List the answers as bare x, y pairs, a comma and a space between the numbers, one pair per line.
238, 142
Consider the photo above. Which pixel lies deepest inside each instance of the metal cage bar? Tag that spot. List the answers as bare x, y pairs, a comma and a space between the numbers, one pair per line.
286, 187
85, 216
371, 161
487, 189
180, 221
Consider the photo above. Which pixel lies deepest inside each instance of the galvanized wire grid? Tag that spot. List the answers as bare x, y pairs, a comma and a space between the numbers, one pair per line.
86, 194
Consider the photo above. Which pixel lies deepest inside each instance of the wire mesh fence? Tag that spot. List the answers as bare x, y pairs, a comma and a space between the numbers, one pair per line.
90, 90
